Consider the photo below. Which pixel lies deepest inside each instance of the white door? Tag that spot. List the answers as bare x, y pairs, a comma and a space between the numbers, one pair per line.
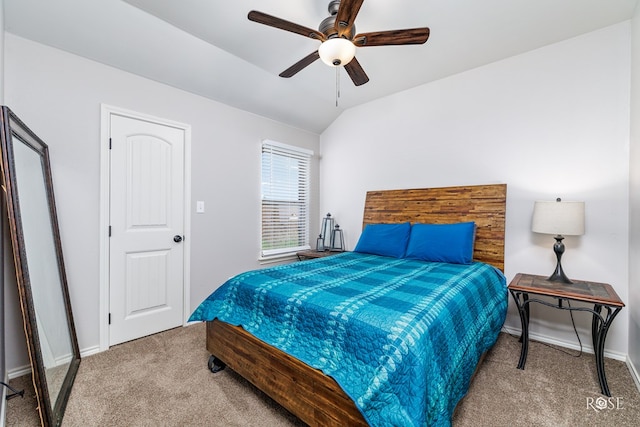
146, 256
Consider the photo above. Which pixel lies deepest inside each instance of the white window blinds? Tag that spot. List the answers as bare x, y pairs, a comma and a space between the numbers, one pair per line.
285, 198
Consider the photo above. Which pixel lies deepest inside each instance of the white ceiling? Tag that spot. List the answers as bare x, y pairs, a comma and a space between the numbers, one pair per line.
210, 48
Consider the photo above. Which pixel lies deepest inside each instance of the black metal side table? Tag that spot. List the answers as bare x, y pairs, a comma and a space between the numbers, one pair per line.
601, 295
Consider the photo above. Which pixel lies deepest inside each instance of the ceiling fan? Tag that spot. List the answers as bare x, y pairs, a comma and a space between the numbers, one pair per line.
339, 43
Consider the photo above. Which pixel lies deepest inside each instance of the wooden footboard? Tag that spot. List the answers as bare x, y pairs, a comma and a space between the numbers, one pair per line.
306, 392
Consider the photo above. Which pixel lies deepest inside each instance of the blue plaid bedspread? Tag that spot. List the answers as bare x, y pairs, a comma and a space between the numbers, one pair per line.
401, 337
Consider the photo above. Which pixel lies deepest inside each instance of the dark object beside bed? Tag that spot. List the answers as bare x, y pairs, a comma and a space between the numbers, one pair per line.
309, 394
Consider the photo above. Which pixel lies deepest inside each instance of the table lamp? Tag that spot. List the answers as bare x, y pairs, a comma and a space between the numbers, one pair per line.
562, 219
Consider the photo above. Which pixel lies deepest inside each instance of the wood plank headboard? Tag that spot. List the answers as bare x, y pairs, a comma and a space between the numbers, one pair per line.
484, 204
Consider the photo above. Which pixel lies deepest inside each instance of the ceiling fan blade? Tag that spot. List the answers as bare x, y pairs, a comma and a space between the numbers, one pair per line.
307, 60
392, 37
356, 72
272, 21
346, 16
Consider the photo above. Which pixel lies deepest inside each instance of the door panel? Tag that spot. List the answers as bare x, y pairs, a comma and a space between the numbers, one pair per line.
147, 287
146, 212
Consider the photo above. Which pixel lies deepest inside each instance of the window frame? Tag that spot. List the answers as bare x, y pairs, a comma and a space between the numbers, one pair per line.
299, 206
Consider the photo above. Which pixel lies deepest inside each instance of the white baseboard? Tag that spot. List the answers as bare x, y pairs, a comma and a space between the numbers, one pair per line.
634, 373
19, 371
571, 345
25, 370
89, 351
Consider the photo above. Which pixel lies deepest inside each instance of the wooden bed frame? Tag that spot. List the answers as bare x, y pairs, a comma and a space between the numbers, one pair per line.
306, 392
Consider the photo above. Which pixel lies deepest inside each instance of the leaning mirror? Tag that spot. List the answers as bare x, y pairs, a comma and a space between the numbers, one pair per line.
42, 284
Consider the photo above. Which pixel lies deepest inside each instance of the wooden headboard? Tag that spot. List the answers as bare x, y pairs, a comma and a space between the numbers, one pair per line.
484, 204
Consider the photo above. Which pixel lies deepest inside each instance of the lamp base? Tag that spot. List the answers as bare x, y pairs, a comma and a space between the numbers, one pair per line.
558, 275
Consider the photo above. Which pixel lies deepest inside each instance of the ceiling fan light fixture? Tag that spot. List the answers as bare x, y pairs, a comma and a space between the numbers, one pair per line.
337, 52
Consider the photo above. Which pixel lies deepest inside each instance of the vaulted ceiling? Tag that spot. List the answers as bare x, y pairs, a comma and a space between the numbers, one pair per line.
210, 48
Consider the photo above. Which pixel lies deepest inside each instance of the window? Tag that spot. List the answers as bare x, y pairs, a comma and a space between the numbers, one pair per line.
285, 198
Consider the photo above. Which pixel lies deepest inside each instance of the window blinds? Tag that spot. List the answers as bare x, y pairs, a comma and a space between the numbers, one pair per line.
285, 198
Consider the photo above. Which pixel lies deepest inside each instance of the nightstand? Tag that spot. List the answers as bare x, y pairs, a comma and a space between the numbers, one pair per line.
310, 254
601, 295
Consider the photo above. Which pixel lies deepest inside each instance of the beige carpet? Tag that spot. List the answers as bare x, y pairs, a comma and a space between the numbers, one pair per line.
163, 380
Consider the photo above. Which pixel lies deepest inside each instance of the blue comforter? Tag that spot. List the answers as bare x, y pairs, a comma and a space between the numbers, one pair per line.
401, 337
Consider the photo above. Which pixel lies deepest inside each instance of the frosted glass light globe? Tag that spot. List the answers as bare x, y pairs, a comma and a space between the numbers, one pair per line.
337, 52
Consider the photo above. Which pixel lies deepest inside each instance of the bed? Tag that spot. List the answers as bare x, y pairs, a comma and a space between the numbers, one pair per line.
407, 359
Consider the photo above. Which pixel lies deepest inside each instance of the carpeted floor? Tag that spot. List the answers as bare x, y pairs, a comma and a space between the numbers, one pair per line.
163, 380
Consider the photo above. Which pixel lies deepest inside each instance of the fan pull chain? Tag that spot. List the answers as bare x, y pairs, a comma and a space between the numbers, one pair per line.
337, 84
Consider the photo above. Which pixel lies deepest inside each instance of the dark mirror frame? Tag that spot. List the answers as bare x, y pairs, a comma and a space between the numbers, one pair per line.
51, 413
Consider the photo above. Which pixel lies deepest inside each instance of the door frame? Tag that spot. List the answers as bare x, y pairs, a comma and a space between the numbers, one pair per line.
106, 111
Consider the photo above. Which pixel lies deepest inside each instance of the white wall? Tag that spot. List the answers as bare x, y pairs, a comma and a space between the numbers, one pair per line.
58, 95
550, 123
634, 200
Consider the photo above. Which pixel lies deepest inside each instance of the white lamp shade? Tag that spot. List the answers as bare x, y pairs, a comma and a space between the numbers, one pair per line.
337, 51
560, 218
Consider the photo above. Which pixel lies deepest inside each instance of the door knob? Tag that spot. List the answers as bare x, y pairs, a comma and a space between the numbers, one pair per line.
177, 238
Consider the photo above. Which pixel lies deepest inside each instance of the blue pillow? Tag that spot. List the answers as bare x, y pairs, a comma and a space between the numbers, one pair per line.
384, 239
442, 242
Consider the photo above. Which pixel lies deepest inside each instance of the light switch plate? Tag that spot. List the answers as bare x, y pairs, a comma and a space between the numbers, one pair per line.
200, 206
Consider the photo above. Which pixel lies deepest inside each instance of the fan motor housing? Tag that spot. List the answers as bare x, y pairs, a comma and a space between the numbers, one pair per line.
328, 25
328, 28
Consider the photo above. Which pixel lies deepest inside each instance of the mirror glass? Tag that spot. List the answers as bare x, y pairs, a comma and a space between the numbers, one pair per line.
51, 338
